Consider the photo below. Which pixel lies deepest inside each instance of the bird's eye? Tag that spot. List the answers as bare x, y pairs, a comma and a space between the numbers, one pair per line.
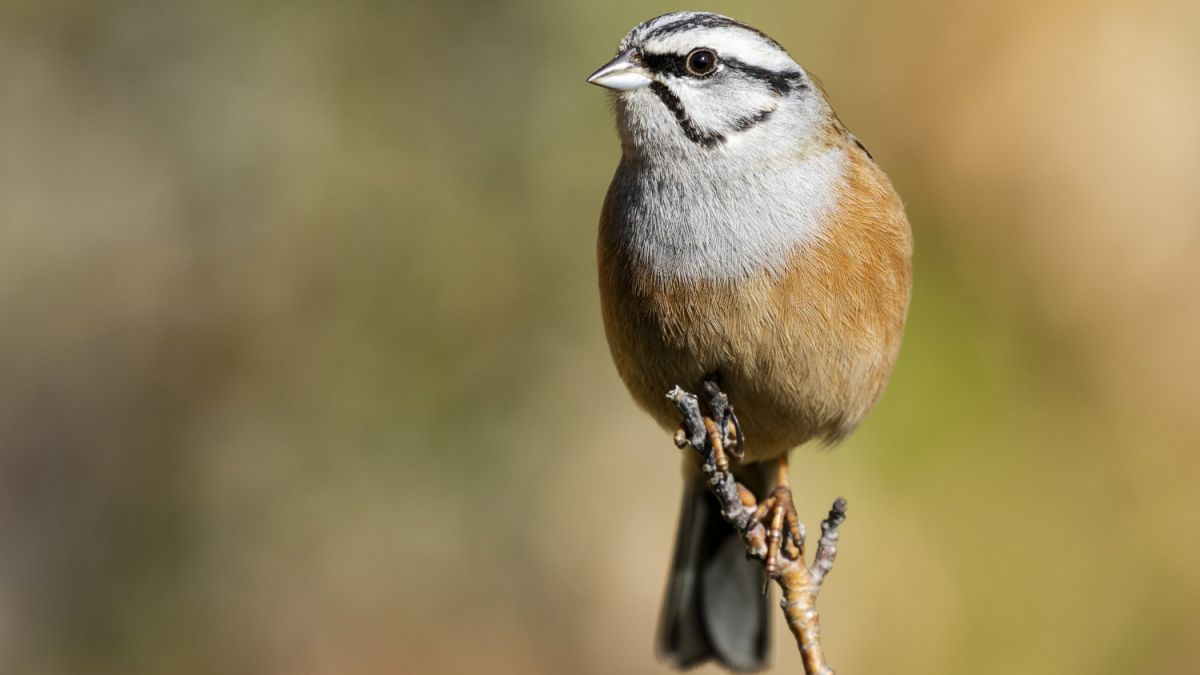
701, 62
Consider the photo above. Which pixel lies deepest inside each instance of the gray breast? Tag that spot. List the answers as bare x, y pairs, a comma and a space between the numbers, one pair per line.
716, 221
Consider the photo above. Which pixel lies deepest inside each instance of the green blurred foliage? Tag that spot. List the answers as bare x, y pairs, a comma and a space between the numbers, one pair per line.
301, 366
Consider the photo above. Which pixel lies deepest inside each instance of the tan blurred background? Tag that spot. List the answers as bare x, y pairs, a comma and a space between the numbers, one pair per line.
302, 371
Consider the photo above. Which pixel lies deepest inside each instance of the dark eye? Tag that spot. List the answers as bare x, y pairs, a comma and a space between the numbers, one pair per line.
701, 62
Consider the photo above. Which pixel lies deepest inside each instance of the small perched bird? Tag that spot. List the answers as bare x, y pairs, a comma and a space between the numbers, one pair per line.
747, 238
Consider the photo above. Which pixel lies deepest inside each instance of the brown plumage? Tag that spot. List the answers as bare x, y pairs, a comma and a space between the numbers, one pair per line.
803, 356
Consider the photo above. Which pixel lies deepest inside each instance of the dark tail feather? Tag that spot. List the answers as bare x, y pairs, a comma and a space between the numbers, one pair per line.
714, 606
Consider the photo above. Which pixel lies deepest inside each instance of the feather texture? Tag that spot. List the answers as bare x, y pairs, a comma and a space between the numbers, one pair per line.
804, 350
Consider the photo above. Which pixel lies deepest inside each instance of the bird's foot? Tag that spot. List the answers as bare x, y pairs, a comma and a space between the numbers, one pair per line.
721, 428
785, 532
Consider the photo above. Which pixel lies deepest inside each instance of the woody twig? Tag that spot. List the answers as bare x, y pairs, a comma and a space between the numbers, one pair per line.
715, 435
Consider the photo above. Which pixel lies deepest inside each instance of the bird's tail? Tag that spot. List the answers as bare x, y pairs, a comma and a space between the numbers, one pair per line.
714, 606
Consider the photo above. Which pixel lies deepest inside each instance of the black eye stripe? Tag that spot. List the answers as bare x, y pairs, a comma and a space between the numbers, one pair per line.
781, 81
666, 64
677, 65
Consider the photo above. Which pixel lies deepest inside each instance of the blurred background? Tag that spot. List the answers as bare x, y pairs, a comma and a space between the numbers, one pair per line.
302, 369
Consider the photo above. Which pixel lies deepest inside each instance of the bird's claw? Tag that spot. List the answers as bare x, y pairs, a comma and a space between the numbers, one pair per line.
722, 426
785, 533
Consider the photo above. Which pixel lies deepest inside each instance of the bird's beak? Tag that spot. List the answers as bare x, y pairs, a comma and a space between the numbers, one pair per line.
622, 74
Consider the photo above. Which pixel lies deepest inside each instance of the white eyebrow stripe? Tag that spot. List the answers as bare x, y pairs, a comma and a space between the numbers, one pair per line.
736, 43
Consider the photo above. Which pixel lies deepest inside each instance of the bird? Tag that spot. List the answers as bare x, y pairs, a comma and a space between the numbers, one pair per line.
747, 239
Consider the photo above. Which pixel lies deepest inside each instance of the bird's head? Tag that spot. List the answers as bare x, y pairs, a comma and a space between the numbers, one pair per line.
704, 85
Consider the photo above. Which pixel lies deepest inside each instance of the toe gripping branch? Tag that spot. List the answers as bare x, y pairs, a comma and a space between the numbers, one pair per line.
717, 437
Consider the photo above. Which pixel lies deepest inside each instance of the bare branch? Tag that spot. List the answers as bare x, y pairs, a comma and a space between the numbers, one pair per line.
716, 437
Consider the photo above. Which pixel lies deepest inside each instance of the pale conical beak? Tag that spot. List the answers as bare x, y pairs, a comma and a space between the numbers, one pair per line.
622, 74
